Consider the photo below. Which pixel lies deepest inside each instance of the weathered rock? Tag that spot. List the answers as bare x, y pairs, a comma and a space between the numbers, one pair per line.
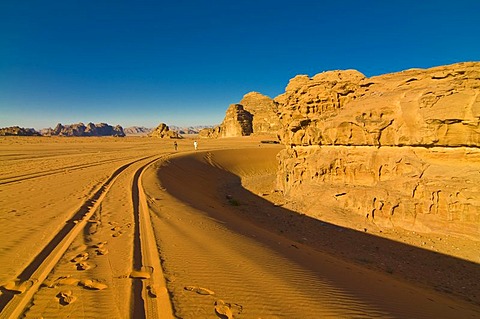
163, 131
213, 132
434, 107
18, 131
264, 111
237, 122
397, 150
80, 129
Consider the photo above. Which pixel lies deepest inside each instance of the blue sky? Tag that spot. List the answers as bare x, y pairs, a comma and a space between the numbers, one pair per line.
183, 62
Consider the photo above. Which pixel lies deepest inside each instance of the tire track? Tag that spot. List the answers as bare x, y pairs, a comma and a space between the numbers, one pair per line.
13, 301
150, 295
20, 178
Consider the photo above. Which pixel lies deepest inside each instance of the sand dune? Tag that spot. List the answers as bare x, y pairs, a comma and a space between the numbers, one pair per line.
210, 239
128, 228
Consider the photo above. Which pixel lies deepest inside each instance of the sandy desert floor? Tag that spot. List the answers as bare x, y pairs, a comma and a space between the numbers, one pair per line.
129, 228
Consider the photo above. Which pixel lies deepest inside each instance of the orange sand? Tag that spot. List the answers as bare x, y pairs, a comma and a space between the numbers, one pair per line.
86, 222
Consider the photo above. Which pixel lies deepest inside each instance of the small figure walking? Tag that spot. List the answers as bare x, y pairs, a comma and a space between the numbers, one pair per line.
175, 145
195, 145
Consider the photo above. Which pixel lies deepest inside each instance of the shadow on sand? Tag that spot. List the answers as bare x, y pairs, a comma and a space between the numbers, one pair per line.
194, 180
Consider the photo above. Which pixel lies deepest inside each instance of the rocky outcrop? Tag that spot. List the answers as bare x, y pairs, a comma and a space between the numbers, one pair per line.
434, 107
237, 122
264, 113
80, 129
18, 131
255, 114
163, 131
397, 150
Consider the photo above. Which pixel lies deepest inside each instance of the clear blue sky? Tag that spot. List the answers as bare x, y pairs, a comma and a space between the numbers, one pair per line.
184, 61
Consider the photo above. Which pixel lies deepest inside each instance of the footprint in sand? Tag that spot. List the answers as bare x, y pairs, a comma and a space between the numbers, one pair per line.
101, 251
100, 248
83, 265
223, 310
199, 290
117, 234
62, 281
80, 257
66, 297
152, 291
93, 284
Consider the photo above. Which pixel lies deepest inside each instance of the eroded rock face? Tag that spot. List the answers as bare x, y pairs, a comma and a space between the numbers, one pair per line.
434, 107
255, 114
264, 113
163, 131
397, 150
237, 122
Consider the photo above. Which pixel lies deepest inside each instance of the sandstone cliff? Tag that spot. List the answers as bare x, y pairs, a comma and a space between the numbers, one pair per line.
397, 150
80, 129
163, 131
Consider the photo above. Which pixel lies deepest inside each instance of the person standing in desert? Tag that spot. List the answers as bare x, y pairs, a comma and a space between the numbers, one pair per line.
175, 145
195, 145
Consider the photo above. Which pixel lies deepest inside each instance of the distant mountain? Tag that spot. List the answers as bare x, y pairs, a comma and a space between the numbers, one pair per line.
18, 131
190, 129
80, 129
137, 130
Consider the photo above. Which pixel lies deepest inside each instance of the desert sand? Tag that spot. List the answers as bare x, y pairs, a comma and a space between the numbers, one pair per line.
129, 228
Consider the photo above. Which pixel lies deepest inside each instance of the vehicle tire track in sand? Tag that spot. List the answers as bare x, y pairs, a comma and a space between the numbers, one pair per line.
20, 178
151, 299
14, 300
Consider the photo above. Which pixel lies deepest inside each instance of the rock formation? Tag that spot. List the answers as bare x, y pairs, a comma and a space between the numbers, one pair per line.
80, 129
18, 131
163, 131
264, 112
255, 114
399, 149
237, 122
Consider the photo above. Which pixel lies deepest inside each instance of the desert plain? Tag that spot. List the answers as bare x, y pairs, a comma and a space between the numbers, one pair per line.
130, 228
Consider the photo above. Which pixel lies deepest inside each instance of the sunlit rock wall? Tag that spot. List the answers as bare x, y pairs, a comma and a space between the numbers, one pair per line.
397, 150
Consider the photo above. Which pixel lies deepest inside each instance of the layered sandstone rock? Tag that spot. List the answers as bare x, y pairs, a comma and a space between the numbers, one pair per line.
163, 131
397, 150
80, 129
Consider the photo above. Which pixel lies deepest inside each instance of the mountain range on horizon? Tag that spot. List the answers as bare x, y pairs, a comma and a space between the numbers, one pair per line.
100, 129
